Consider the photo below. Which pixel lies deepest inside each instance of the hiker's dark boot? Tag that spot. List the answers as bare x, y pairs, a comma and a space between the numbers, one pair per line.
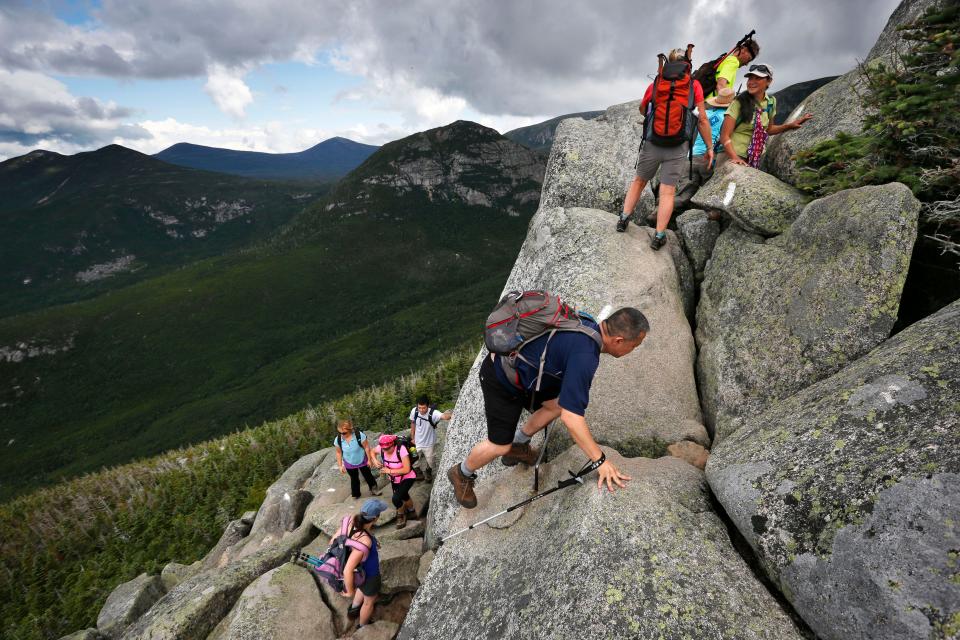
411, 511
520, 453
353, 612
622, 224
462, 487
401, 518
375, 491
658, 241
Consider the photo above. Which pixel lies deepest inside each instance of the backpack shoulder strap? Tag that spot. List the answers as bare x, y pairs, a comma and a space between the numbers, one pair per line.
345, 525
355, 543
433, 423
340, 443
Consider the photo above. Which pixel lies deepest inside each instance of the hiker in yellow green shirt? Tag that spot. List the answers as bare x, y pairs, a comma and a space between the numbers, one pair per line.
741, 56
748, 121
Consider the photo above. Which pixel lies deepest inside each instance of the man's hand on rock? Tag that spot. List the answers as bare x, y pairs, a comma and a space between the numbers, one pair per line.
608, 473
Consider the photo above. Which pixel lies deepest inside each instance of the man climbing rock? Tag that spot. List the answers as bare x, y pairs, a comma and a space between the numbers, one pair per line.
569, 366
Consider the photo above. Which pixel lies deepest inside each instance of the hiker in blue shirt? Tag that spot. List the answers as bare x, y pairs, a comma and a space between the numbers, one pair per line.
365, 596
570, 365
354, 457
687, 188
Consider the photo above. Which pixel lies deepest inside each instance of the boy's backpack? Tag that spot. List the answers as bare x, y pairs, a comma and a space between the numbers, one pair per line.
706, 74
358, 434
669, 121
417, 418
330, 566
521, 317
405, 441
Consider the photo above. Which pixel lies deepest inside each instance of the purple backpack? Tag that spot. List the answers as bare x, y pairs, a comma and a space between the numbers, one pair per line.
330, 567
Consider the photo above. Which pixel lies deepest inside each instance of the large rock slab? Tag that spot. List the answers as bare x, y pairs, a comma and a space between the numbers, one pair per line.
849, 491
699, 235
776, 316
195, 606
757, 201
282, 603
399, 563
650, 561
640, 403
592, 161
128, 602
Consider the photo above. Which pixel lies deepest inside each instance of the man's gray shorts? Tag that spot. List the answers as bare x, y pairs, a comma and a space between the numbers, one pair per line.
670, 160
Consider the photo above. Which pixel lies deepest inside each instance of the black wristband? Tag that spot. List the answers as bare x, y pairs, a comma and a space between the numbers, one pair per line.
593, 466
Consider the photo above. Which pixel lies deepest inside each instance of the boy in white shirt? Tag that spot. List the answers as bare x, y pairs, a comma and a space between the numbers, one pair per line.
423, 433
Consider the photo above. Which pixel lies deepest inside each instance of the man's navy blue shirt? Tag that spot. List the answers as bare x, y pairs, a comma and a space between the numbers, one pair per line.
572, 361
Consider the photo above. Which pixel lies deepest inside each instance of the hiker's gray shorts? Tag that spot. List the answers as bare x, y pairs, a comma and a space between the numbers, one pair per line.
670, 160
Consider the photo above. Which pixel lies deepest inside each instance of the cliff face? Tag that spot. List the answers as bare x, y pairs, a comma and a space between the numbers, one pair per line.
461, 162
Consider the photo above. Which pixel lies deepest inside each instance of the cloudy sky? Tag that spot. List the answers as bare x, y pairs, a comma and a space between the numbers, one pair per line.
281, 76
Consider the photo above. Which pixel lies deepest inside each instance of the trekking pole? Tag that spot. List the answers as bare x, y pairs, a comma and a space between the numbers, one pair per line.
744, 40
574, 479
542, 458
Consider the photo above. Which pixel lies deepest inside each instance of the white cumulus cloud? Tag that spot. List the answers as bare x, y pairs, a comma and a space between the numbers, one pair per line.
228, 90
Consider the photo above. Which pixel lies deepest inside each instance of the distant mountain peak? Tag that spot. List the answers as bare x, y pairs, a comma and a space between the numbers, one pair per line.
327, 161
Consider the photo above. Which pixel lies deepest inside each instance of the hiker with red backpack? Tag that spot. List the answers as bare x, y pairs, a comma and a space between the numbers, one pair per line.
355, 457
668, 129
544, 355
396, 463
749, 120
423, 433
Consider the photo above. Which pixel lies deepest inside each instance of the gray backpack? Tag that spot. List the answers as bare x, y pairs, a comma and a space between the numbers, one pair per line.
523, 316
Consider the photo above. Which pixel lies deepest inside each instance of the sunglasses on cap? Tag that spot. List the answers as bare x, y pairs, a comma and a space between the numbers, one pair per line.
762, 68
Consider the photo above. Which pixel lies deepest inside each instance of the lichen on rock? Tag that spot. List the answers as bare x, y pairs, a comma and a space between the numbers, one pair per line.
775, 316
850, 489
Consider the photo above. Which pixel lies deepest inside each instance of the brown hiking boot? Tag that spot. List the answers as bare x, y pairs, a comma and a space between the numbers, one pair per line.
412, 514
520, 453
462, 487
401, 518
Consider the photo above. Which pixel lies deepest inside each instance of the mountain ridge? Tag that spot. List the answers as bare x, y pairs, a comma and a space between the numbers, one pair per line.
326, 161
64, 220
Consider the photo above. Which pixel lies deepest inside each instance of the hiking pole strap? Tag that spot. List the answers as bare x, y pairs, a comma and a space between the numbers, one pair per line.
590, 467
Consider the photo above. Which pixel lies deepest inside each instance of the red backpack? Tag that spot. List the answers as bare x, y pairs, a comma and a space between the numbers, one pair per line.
669, 121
